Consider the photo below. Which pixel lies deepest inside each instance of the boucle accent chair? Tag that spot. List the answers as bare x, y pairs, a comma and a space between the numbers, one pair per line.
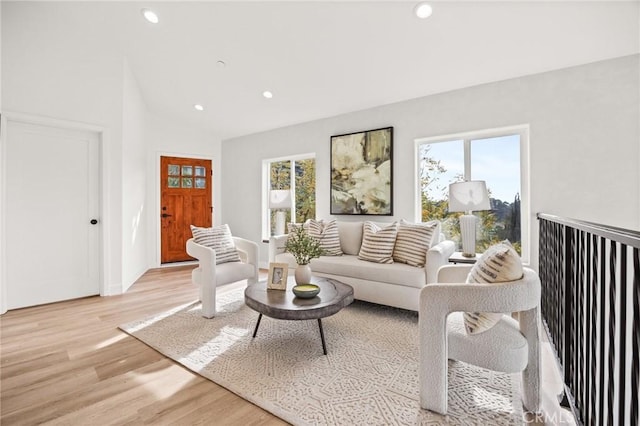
209, 275
510, 346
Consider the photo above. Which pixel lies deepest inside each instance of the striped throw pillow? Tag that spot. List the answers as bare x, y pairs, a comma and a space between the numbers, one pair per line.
413, 242
499, 264
327, 234
377, 243
220, 240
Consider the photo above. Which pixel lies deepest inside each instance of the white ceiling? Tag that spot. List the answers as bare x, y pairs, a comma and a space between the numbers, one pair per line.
322, 59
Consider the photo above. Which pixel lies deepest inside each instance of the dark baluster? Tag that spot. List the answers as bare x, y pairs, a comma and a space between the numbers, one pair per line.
561, 303
592, 278
603, 338
568, 305
635, 361
580, 335
623, 331
612, 329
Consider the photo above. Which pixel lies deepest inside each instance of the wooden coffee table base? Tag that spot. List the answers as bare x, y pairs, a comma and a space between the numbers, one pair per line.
279, 304
324, 345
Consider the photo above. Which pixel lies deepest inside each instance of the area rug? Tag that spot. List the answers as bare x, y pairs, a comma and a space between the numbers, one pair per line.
369, 377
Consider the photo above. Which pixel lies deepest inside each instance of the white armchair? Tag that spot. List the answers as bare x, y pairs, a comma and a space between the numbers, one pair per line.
208, 276
510, 346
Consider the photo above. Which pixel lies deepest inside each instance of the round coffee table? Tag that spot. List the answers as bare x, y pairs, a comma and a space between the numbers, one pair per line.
334, 295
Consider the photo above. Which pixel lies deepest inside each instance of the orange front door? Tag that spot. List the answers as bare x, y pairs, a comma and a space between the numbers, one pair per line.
185, 200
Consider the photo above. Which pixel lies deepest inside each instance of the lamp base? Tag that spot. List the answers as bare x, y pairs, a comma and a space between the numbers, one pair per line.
468, 235
280, 218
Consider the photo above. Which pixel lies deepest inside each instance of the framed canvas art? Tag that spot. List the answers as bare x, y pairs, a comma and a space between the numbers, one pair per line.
362, 173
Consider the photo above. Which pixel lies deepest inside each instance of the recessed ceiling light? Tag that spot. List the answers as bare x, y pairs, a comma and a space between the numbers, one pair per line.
150, 16
267, 94
198, 107
221, 64
423, 10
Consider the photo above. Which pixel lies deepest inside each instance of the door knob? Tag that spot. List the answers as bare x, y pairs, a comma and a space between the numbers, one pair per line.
166, 215
93, 221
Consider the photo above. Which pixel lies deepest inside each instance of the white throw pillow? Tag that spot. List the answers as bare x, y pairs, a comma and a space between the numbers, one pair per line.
499, 264
220, 240
377, 243
327, 234
413, 242
350, 237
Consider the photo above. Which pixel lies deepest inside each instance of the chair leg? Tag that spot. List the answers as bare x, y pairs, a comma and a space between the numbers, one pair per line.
531, 374
433, 364
208, 298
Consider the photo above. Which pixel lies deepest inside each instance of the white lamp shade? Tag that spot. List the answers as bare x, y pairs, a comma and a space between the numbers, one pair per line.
468, 196
280, 199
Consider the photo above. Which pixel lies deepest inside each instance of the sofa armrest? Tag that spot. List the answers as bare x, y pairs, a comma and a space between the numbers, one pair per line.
438, 256
276, 246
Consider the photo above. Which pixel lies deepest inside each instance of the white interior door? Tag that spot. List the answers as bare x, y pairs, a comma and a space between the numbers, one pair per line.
52, 195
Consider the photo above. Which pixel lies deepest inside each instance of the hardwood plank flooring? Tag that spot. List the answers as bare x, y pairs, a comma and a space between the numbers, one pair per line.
67, 363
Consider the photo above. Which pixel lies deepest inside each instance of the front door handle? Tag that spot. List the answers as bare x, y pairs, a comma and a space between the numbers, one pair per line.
165, 215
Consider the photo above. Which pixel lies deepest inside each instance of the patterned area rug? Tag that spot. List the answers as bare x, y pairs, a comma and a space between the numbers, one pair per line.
369, 377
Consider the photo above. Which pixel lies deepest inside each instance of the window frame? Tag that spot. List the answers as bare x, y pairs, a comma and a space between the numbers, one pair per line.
265, 211
522, 130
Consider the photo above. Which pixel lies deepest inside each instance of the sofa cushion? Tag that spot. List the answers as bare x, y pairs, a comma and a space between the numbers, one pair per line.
378, 242
350, 237
351, 266
498, 264
412, 242
327, 234
219, 239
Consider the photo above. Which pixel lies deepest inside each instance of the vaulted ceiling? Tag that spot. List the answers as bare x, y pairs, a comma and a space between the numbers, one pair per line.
321, 59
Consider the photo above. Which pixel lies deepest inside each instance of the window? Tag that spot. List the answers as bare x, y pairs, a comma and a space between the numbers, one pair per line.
278, 175
498, 157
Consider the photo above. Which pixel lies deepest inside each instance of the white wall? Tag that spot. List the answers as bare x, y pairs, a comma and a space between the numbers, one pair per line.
172, 139
134, 179
46, 72
584, 144
0, 56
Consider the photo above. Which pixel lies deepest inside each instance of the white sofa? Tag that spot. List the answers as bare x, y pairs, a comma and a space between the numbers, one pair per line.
395, 284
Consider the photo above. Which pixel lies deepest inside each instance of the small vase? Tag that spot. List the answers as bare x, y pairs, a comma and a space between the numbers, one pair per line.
303, 274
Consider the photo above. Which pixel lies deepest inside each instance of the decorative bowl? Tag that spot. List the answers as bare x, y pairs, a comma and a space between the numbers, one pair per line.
306, 291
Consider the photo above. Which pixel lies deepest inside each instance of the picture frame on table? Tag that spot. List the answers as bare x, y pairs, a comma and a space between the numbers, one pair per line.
362, 173
278, 273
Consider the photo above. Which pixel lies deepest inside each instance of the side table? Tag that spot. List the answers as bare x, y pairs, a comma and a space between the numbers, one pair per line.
457, 257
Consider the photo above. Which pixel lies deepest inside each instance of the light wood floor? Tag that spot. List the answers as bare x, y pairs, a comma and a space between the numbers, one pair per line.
68, 363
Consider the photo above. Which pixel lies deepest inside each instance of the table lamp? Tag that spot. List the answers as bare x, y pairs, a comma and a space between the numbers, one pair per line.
466, 197
280, 200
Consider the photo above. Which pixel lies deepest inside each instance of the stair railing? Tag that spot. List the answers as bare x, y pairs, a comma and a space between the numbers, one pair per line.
590, 278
